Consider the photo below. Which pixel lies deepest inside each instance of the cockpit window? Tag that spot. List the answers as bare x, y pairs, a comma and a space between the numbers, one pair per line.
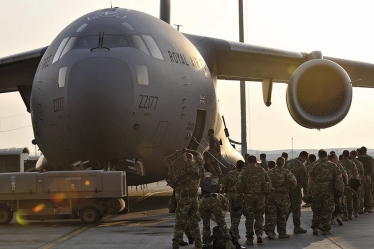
115, 41
69, 45
155, 51
138, 43
88, 42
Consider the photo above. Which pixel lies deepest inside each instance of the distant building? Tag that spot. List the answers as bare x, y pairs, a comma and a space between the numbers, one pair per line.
13, 159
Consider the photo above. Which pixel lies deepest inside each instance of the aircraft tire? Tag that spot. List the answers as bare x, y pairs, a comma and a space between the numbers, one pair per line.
6, 215
89, 215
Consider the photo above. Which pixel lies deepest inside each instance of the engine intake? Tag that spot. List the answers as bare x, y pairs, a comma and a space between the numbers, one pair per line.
319, 94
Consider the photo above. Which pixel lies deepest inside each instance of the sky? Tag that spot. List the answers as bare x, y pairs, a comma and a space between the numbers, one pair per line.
341, 29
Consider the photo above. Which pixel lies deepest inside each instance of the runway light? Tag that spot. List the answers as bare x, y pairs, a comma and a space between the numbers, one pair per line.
20, 220
38, 208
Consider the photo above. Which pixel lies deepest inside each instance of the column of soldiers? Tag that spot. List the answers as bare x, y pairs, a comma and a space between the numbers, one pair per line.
275, 191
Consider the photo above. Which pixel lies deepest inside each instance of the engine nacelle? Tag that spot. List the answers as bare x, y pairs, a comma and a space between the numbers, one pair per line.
319, 94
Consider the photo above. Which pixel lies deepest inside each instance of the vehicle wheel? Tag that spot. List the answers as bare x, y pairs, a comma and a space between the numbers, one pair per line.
6, 215
89, 215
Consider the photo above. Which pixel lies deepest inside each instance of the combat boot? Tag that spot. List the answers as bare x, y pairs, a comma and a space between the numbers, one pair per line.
259, 240
356, 215
328, 232
315, 231
299, 230
230, 245
249, 242
350, 217
361, 211
345, 218
283, 236
339, 220
183, 243
271, 235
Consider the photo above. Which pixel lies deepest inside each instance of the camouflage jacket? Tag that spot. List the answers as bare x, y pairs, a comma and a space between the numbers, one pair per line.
280, 178
252, 180
214, 146
264, 165
360, 168
368, 163
189, 183
350, 167
230, 180
298, 169
323, 174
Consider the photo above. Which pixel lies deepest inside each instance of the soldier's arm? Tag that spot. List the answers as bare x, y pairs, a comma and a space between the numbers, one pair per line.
303, 177
292, 178
355, 172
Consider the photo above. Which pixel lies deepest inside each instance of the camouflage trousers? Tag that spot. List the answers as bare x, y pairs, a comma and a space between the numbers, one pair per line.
235, 213
186, 213
339, 206
323, 205
212, 206
276, 212
368, 196
359, 203
213, 167
253, 210
295, 209
348, 201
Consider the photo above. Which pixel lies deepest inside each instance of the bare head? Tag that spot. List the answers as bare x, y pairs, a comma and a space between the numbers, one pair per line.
210, 132
280, 161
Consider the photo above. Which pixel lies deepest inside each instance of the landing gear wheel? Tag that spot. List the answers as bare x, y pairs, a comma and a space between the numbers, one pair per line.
89, 215
6, 215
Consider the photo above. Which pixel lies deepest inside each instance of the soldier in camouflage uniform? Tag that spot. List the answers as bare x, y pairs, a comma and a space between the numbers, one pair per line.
278, 203
228, 187
186, 195
214, 154
321, 185
351, 169
368, 163
358, 199
264, 163
253, 186
215, 205
298, 169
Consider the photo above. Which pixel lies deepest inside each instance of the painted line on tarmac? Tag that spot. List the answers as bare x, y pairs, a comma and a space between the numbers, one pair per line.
72, 234
147, 196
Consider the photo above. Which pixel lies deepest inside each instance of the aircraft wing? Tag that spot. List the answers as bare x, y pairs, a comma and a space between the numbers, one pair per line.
239, 61
17, 72
19, 69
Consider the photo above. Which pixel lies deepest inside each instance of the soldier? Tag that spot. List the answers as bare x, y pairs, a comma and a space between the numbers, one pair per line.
351, 169
215, 205
264, 163
187, 199
278, 203
211, 163
358, 199
308, 165
297, 168
321, 185
253, 185
228, 187
368, 164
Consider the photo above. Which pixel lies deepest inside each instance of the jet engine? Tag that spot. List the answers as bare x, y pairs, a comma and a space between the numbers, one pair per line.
319, 94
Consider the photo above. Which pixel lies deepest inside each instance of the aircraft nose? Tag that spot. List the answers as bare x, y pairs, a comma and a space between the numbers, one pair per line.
100, 96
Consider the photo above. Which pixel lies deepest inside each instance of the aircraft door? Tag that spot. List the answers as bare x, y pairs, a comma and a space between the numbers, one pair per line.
199, 129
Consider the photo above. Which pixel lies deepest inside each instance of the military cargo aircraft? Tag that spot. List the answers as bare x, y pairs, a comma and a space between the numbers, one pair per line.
118, 88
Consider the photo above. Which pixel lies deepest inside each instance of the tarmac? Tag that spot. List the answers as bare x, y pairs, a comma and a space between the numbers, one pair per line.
149, 225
